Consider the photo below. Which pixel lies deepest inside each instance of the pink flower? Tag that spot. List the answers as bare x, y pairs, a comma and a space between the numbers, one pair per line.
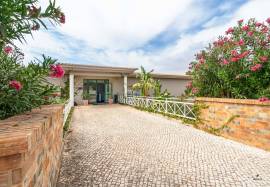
264, 99
220, 42
268, 20
263, 58
202, 60
234, 53
265, 29
250, 33
256, 67
230, 30
258, 24
240, 21
234, 59
244, 54
189, 85
57, 71
8, 49
225, 62
195, 90
15, 84
62, 18
241, 42
245, 28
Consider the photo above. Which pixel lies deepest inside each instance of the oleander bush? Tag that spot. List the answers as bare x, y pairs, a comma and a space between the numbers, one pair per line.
23, 87
237, 65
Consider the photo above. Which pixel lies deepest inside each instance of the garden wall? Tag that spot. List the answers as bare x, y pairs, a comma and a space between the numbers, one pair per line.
243, 120
31, 147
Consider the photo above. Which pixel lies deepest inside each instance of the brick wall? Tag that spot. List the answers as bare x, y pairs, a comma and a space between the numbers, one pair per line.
250, 119
31, 147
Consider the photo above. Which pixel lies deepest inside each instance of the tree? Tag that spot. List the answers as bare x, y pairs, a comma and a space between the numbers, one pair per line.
146, 82
157, 88
25, 87
236, 65
21, 17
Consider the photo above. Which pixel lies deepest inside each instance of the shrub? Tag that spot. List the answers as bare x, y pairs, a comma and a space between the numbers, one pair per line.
237, 65
23, 87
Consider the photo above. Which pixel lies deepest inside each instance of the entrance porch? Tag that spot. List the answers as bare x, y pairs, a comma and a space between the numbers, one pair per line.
96, 84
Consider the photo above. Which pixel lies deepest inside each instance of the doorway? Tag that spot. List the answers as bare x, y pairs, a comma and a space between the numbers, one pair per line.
96, 91
100, 93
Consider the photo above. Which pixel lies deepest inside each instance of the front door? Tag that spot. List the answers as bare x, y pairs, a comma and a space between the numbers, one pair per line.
100, 92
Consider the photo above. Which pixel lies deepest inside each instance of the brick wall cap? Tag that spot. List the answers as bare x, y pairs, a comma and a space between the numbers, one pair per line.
233, 101
18, 132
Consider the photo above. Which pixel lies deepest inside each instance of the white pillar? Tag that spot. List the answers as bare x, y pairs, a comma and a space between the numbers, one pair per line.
125, 85
71, 88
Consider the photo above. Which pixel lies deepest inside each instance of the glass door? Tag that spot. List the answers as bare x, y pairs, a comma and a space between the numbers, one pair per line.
108, 88
97, 91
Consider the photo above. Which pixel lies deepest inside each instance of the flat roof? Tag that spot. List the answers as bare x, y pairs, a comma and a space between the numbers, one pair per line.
96, 69
82, 68
166, 76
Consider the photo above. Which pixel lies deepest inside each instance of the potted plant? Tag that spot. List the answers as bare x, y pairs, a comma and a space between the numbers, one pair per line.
110, 100
85, 98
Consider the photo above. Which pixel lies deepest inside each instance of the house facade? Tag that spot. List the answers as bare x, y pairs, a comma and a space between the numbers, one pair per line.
99, 84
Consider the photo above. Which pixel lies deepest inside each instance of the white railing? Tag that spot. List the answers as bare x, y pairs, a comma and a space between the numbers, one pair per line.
67, 108
176, 108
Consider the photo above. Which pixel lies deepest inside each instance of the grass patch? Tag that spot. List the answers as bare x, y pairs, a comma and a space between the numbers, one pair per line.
67, 123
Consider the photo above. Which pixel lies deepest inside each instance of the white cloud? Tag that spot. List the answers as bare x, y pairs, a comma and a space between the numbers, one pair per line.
112, 32
120, 24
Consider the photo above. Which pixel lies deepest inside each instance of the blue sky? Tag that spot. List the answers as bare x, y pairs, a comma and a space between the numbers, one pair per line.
158, 34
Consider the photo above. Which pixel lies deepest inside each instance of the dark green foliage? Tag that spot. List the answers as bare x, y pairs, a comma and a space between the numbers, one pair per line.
23, 87
35, 89
21, 17
236, 65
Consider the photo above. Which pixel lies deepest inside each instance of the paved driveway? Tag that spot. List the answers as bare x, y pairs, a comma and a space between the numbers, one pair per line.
114, 145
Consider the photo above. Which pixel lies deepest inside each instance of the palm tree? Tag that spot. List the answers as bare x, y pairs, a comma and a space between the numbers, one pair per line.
157, 88
146, 82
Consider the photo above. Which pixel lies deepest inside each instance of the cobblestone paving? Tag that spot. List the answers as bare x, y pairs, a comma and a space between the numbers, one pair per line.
116, 145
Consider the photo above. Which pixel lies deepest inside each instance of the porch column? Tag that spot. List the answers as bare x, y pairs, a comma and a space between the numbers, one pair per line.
71, 88
125, 85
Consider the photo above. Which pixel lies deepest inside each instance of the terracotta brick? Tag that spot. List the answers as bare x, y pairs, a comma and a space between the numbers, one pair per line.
5, 179
16, 176
251, 127
30, 147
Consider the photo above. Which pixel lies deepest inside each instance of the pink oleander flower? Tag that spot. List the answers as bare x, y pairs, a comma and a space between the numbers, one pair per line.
57, 71
234, 52
195, 90
15, 84
240, 21
8, 49
243, 55
230, 30
258, 24
241, 42
256, 67
245, 28
263, 58
264, 99
189, 85
234, 59
202, 60
225, 62
62, 18
250, 33
268, 20
264, 29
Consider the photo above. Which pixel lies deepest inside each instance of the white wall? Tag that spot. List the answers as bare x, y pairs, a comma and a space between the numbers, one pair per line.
174, 86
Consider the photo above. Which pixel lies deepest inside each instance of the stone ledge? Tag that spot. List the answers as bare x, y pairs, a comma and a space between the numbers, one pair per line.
19, 134
233, 101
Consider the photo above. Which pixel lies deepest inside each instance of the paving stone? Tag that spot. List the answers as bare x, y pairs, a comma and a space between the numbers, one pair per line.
115, 145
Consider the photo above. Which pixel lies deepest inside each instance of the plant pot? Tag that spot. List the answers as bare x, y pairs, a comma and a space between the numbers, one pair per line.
85, 102
110, 101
